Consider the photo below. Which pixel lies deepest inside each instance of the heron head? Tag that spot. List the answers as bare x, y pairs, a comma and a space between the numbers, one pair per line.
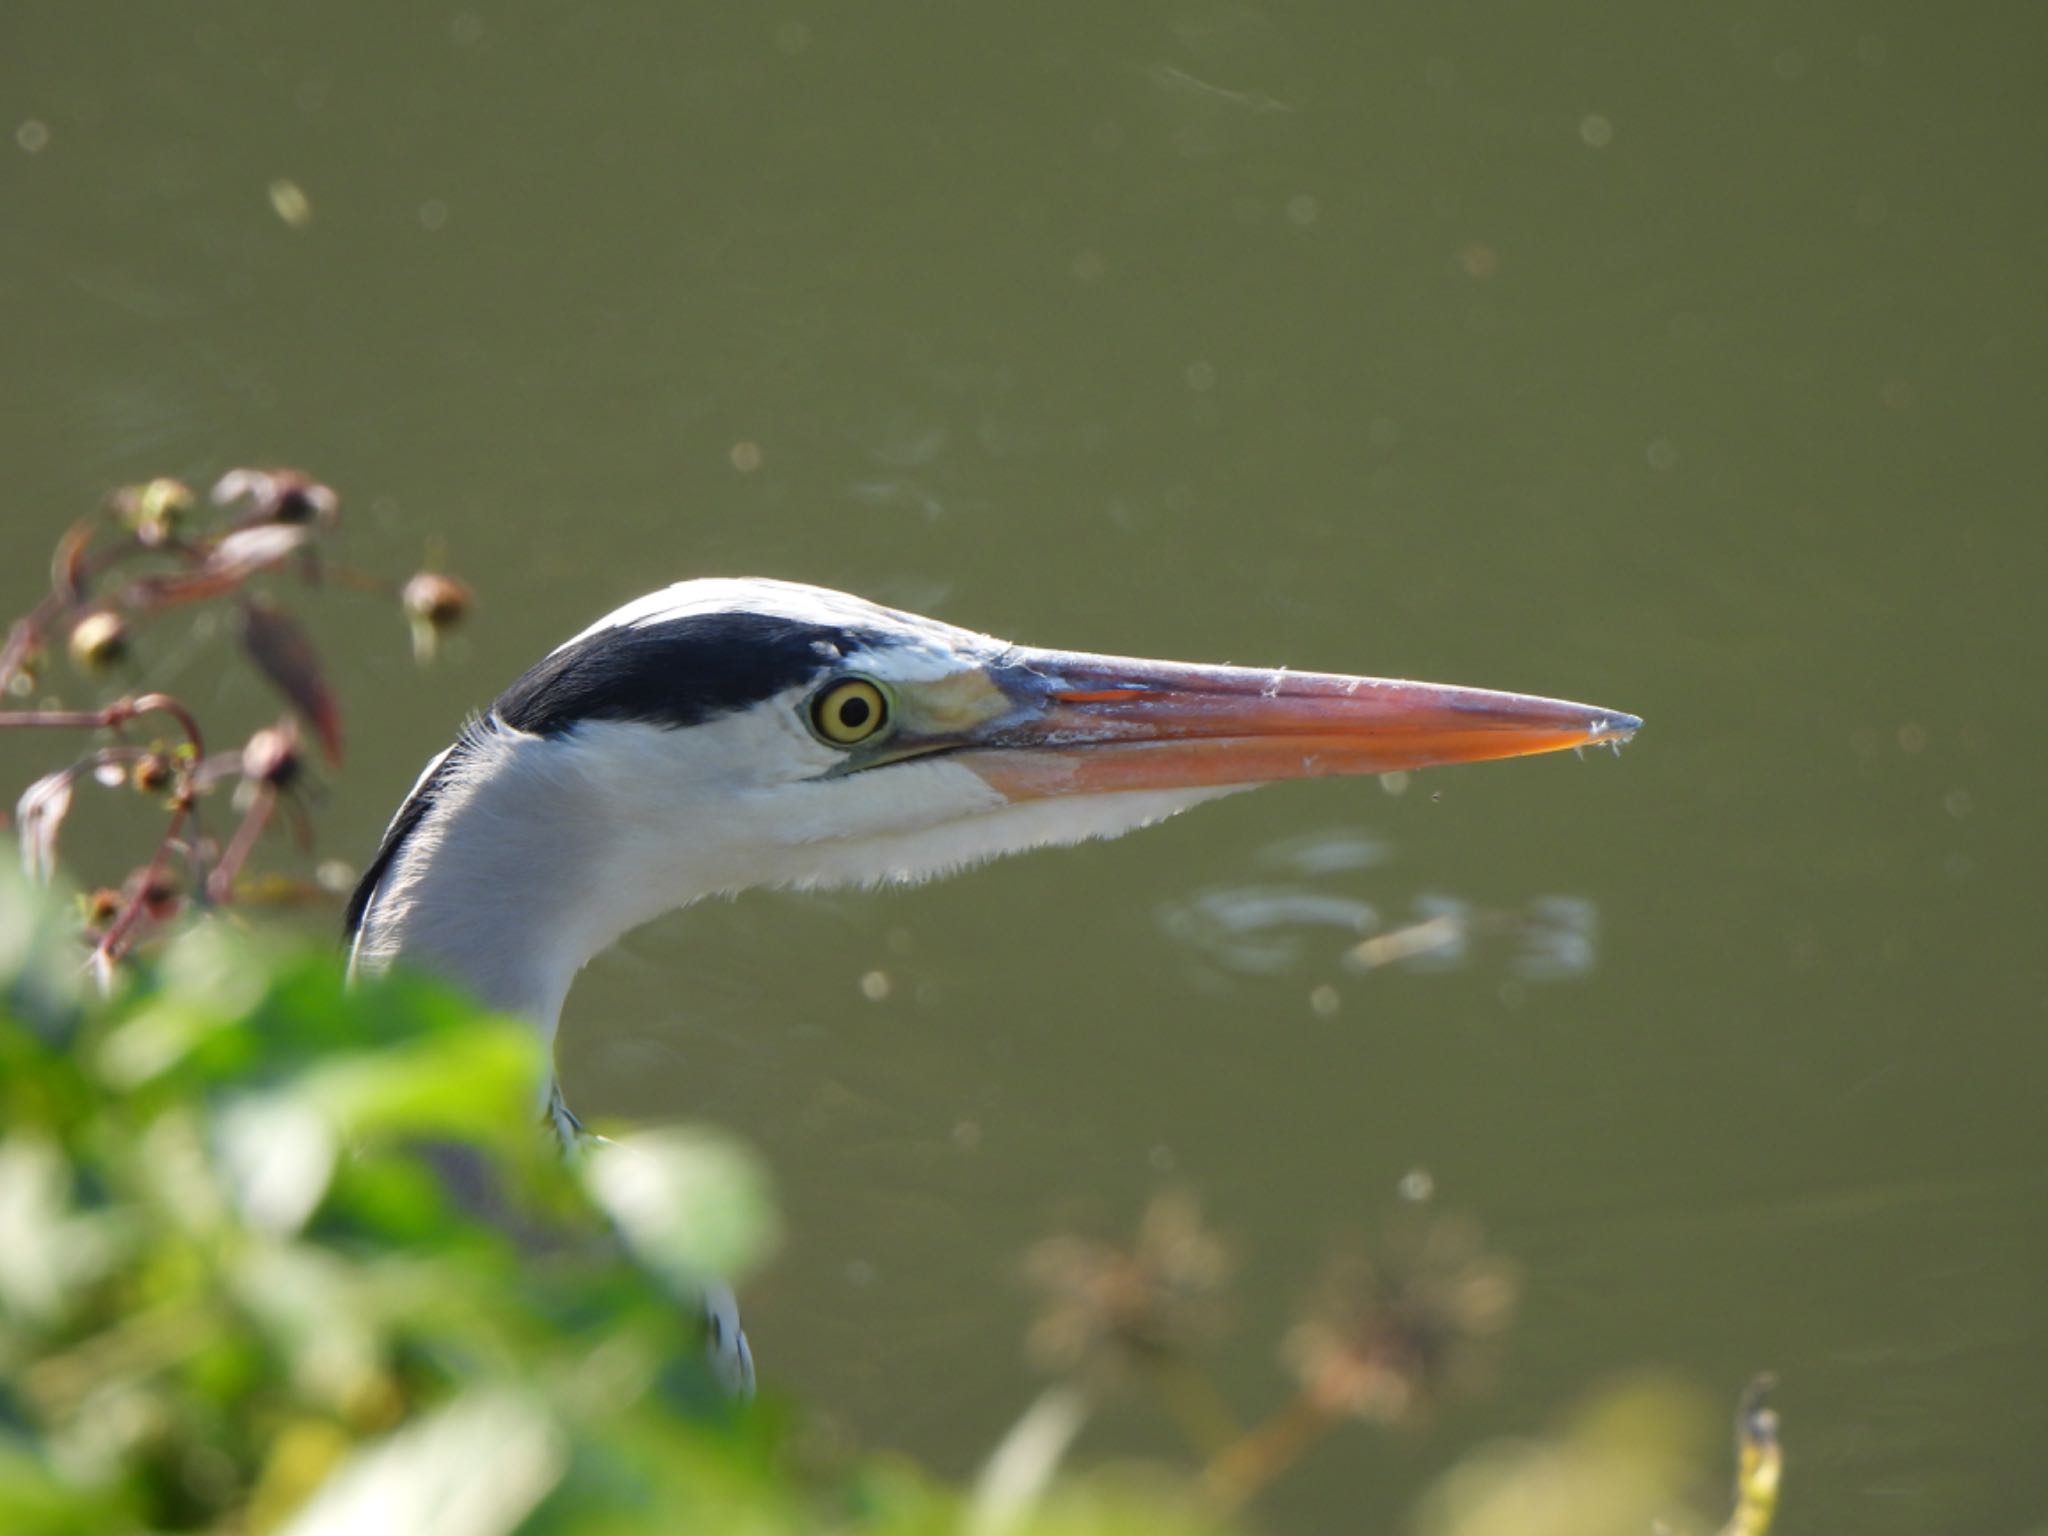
763, 732
724, 734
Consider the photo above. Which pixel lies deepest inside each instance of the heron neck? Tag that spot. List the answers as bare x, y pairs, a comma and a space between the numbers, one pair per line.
510, 882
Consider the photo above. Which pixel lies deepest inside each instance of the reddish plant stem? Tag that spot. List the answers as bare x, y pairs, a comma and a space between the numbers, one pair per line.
61, 719
183, 798
20, 634
220, 885
1242, 1469
112, 717
71, 576
213, 563
73, 570
69, 571
109, 948
163, 703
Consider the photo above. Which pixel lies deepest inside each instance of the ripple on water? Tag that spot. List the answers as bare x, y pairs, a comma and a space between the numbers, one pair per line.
1277, 928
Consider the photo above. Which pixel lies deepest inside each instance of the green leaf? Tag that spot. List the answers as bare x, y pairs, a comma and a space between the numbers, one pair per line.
474, 1468
41, 982
47, 1249
279, 1152
36, 1500
691, 1205
319, 1312
207, 983
482, 1080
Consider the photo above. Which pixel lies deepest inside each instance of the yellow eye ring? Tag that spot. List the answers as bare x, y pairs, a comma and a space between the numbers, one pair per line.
848, 712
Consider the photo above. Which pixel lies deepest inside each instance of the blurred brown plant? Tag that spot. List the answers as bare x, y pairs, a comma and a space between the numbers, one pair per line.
151, 534
1105, 1308
1393, 1329
1390, 1333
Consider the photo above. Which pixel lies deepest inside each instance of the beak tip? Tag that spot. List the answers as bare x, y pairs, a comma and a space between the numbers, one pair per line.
1615, 728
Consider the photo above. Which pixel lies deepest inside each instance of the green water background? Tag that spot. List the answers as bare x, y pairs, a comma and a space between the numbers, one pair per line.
1685, 359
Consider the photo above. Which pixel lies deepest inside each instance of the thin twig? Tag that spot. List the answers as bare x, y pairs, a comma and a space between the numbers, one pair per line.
220, 885
109, 718
1242, 1469
109, 948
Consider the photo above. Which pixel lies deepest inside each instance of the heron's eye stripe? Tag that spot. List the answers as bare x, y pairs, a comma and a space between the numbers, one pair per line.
849, 711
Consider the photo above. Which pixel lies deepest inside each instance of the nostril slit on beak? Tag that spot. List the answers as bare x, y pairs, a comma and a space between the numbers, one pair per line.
1103, 695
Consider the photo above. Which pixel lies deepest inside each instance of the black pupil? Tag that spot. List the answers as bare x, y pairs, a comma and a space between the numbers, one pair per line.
854, 712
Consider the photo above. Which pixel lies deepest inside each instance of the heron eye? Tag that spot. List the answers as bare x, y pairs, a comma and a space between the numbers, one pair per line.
849, 711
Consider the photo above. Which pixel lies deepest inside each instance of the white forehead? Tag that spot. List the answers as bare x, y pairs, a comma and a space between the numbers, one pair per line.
919, 648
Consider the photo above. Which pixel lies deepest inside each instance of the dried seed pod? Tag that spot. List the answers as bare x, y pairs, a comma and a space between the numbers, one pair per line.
272, 757
29, 660
433, 604
152, 773
153, 510
440, 600
99, 640
156, 893
278, 496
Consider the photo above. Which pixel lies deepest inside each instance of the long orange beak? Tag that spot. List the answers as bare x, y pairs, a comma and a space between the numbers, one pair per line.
1085, 724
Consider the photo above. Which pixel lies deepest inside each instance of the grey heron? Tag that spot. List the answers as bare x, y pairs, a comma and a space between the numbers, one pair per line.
723, 734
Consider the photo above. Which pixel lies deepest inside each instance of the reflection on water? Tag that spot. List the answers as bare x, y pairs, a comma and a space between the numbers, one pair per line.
1551, 938
1262, 930
1275, 929
1329, 852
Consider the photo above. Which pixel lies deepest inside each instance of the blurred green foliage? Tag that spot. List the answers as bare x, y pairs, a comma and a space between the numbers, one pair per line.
281, 1255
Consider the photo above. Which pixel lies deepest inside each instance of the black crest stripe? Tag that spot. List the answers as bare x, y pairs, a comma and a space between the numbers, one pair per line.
674, 672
